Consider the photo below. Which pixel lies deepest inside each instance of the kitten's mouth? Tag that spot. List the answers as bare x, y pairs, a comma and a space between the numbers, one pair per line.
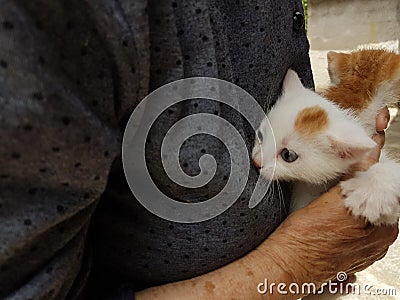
257, 165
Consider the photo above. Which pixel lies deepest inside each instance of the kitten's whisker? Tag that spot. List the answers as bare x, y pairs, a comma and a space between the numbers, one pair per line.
325, 186
280, 195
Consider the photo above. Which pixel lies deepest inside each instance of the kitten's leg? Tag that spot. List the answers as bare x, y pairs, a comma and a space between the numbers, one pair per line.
375, 194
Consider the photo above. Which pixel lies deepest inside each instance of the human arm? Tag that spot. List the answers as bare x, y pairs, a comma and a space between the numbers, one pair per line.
311, 246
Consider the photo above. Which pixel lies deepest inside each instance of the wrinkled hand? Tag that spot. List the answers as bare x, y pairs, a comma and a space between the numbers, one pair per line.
322, 239
311, 246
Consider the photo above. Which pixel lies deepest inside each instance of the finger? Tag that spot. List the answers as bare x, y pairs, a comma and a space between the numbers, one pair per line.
368, 260
382, 119
379, 139
383, 254
389, 233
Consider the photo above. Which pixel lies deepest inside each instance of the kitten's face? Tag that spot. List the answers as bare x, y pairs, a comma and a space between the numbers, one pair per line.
293, 158
315, 141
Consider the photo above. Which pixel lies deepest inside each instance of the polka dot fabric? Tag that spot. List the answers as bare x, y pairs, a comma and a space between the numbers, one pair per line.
59, 136
251, 43
70, 75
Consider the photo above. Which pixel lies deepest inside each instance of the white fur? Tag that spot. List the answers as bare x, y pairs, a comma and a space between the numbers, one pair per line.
323, 158
374, 194
386, 94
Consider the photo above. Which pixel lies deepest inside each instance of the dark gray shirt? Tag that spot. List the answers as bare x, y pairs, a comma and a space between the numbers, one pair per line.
71, 73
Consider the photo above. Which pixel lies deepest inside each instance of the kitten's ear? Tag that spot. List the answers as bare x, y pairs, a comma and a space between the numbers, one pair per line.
334, 60
350, 141
332, 56
291, 83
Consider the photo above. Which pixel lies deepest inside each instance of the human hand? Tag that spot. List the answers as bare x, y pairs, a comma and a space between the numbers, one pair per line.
315, 243
311, 246
382, 119
322, 239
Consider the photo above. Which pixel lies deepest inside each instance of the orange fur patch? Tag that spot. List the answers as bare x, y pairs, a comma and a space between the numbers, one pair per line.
360, 74
311, 120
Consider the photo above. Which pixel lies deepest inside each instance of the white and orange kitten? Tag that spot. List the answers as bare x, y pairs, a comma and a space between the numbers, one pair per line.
316, 143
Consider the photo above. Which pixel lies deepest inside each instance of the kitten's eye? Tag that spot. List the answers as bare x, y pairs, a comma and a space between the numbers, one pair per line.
289, 155
259, 135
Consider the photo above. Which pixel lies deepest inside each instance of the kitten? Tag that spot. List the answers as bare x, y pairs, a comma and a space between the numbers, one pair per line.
364, 81
316, 142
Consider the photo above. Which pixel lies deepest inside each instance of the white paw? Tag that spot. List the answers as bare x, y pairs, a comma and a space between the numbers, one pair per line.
373, 195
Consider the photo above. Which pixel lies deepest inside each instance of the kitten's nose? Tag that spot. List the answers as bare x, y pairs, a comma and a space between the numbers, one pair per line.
257, 164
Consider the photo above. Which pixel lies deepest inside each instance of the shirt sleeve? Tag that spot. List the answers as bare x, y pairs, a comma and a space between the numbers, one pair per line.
68, 76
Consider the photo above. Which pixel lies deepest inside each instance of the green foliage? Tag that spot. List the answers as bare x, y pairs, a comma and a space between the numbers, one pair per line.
305, 5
